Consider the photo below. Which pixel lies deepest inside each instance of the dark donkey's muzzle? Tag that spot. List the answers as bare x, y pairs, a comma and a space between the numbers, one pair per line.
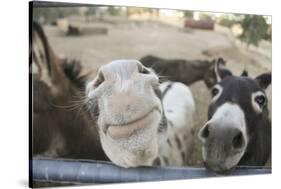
224, 138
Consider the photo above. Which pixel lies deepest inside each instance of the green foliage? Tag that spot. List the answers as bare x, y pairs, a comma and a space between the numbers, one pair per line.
92, 10
149, 10
188, 14
50, 14
204, 16
254, 29
268, 35
227, 22
114, 11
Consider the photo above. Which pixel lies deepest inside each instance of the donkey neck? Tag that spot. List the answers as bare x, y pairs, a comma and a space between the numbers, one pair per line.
183, 71
198, 70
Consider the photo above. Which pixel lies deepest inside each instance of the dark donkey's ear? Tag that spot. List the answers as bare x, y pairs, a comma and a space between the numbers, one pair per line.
244, 73
216, 72
221, 61
45, 65
264, 80
220, 70
40, 51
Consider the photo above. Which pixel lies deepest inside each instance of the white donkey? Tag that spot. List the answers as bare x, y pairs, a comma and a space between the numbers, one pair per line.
141, 122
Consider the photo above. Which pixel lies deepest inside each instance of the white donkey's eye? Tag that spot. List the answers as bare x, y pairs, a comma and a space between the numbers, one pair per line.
258, 101
216, 92
91, 86
99, 79
142, 69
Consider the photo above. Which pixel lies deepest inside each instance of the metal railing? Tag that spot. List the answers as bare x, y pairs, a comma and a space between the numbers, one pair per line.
79, 171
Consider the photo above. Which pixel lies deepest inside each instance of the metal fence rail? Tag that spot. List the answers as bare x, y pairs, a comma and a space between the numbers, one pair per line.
73, 171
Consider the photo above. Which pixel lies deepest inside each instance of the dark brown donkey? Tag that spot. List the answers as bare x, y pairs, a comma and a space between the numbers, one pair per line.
59, 129
187, 71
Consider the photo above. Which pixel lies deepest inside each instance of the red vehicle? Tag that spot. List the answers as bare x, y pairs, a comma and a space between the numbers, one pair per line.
199, 24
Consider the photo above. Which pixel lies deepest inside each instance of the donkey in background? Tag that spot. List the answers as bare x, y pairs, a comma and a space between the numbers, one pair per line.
58, 129
188, 71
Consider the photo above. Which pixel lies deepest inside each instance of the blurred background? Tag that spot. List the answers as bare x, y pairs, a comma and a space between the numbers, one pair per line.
96, 35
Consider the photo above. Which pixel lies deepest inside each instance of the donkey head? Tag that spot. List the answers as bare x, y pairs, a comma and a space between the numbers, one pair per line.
238, 130
126, 100
55, 83
50, 86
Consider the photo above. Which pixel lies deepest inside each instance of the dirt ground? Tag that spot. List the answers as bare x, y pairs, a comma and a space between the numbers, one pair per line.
134, 39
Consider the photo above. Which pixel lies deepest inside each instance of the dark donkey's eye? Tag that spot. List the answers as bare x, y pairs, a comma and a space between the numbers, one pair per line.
215, 91
261, 100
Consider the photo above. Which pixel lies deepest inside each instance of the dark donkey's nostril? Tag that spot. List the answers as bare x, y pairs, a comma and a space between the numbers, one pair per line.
205, 132
238, 140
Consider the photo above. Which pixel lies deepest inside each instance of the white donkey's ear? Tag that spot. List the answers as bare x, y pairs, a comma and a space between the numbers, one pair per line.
264, 80
99, 79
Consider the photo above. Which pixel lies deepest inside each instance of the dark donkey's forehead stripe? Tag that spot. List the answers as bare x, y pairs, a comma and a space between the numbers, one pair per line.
239, 86
240, 82
236, 90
